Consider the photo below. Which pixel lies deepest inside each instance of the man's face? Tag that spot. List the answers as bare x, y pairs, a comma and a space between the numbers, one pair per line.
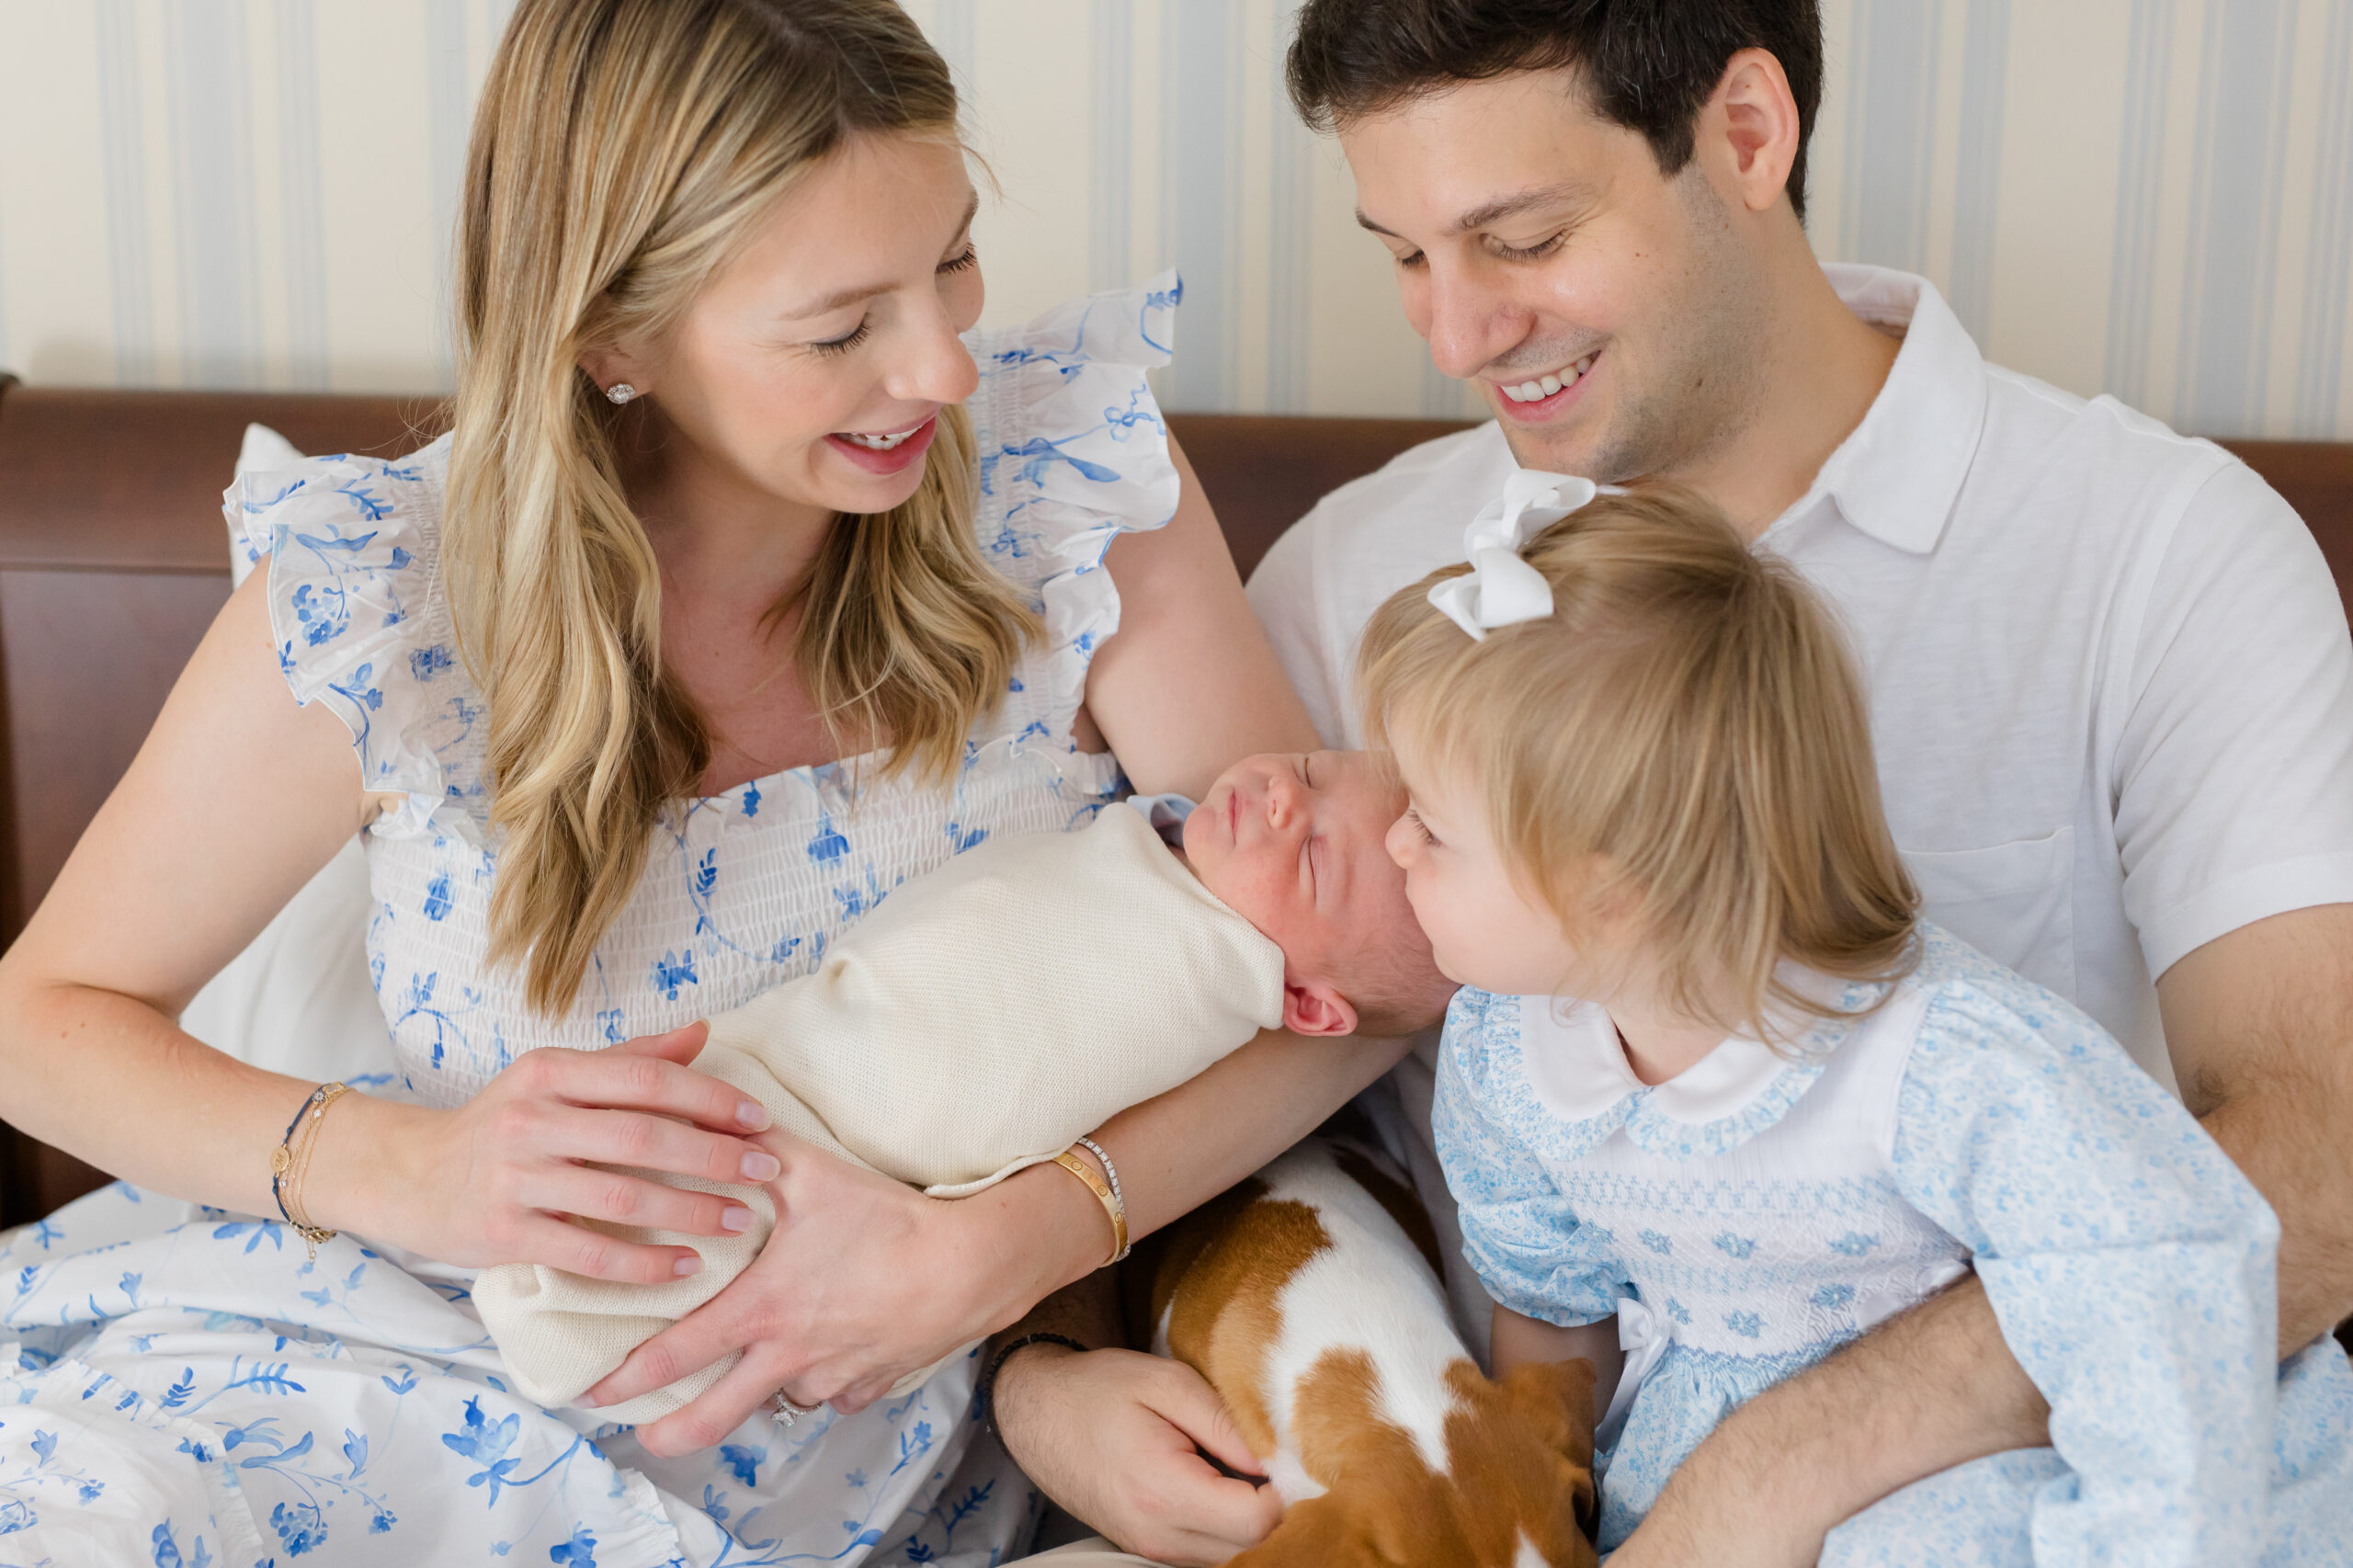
1295, 846
1539, 251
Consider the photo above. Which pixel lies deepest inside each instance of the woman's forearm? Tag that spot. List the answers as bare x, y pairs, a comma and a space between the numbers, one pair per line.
1182, 1149
1042, 1230
112, 1081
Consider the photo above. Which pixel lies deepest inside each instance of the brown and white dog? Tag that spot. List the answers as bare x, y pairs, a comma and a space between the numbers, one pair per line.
1309, 1298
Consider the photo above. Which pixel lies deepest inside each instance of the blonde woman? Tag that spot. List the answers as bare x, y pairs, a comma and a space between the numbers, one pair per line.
738, 595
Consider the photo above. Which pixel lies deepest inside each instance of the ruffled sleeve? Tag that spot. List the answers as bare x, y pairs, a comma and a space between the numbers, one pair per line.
1072, 453
2129, 1262
1518, 1231
356, 611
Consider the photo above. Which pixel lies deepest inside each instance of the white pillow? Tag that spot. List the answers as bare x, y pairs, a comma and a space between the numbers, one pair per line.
299, 1000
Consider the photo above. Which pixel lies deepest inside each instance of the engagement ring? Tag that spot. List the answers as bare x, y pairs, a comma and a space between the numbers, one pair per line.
785, 1411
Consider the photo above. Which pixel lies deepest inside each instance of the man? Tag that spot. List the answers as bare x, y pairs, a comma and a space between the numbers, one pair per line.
2112, 685
2113, 688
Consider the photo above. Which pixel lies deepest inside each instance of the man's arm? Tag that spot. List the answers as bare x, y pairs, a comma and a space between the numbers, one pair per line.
2259, 1023
2260, 1026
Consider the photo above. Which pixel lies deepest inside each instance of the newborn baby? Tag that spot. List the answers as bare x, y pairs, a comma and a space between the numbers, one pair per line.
986, 1016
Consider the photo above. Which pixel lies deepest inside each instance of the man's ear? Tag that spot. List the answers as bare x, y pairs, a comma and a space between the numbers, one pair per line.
1756, 116
1311, 1008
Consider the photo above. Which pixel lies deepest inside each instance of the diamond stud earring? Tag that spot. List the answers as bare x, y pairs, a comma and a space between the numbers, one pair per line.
620, 392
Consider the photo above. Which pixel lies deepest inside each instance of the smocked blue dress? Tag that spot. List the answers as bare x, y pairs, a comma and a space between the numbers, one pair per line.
184, 1388
1749, 1216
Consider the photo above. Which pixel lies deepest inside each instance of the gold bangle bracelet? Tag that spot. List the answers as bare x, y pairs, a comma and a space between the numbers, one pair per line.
1105, 1196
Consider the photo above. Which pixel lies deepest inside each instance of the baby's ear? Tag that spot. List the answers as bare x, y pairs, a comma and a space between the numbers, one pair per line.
1311, 1008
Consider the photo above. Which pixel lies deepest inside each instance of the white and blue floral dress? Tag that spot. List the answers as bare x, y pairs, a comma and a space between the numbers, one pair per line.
183, 1387
1747, 1217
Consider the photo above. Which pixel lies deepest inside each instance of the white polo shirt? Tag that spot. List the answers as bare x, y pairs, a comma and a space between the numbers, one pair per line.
2111, 683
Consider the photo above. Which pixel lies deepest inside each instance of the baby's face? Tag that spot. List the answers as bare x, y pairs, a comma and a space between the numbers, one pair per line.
1295, 846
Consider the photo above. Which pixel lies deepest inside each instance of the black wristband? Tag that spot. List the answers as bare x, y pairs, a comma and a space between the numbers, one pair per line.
984, 1395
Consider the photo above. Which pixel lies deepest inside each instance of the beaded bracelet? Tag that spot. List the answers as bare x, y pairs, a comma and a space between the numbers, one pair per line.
984, 1395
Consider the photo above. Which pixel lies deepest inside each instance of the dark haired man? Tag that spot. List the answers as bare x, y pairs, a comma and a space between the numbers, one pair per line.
2112, 685
2111, 682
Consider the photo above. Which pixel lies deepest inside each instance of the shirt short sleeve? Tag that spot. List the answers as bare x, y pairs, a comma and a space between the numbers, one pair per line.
2233, 767
1071, 453
356, 611
1518, 1231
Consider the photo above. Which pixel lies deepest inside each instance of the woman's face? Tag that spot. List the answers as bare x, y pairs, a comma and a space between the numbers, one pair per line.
813, 365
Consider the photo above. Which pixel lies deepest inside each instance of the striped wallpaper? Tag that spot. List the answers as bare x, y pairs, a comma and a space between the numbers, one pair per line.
2148, 197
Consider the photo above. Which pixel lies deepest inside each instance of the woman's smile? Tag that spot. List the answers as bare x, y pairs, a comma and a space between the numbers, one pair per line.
887, 452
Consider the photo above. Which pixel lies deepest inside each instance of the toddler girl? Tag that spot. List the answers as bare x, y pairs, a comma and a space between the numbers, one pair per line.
1783, 1108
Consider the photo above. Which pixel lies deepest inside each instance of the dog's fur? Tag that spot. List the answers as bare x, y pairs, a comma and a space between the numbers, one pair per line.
1309, 1298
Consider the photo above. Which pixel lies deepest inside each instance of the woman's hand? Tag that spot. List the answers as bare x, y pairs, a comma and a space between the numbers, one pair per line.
1115, 1437
499, 1179
864, 1280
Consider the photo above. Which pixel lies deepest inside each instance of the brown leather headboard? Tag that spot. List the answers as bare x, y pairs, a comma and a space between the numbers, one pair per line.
113, 560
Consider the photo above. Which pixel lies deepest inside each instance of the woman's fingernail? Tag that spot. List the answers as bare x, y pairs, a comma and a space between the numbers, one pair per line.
687, 1264
758, 1166
737, 1218
586, 1402
752, 1114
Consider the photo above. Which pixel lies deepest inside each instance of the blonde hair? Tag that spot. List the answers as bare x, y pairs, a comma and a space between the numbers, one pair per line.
623, 150
1689, 721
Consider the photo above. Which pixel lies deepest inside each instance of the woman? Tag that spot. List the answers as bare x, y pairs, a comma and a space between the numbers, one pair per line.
737, 595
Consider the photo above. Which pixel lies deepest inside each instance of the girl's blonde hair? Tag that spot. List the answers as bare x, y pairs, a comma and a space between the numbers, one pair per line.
623, 151
1688, 721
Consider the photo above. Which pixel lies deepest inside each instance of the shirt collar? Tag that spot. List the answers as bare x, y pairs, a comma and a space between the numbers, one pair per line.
1577, 1070
1897, 475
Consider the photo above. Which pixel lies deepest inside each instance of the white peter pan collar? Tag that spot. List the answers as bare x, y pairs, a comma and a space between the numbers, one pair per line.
1576, 1070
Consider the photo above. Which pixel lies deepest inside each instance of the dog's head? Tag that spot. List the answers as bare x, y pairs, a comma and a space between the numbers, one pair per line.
1522, 1450
1517, 1491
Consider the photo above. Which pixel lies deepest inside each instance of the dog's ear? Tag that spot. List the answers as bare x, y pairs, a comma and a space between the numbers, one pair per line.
1558, 1398
1559, 1395
1317, 1533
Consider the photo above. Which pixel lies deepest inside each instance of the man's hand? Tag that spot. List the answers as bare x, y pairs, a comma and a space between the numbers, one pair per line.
1113, 1437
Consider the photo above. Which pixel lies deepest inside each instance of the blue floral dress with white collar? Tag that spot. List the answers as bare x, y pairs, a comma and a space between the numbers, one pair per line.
1749, 1216
185, 1387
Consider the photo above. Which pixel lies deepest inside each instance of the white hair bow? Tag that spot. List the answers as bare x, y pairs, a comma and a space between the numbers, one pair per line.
1501, 589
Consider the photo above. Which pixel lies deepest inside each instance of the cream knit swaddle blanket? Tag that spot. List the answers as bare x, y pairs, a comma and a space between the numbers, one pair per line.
975, 1023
